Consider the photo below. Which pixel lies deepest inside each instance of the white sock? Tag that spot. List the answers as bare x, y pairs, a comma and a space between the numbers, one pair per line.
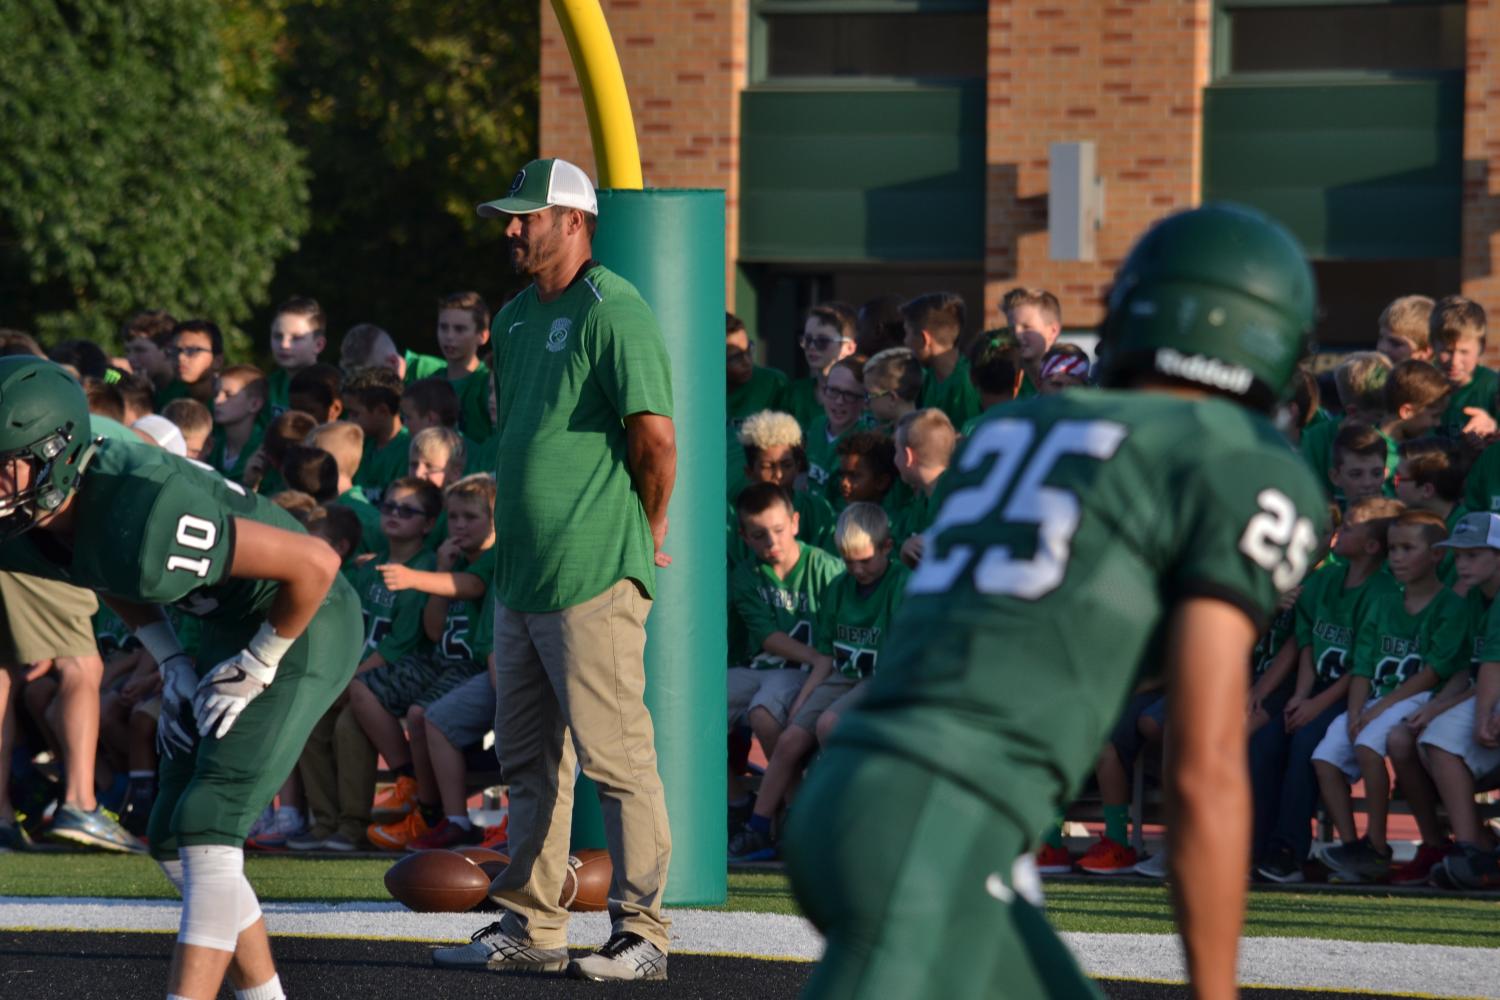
268, 990
462, 822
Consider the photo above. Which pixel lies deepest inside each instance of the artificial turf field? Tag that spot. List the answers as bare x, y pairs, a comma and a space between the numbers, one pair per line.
79, 925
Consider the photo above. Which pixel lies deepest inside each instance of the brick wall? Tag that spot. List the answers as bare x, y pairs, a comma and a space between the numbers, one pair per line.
1126, 74
1481, 219
685, 64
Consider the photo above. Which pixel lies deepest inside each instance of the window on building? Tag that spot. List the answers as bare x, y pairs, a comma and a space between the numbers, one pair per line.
875, 45
1285, 37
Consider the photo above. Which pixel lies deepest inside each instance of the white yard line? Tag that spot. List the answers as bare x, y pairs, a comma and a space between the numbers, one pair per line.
1350, 966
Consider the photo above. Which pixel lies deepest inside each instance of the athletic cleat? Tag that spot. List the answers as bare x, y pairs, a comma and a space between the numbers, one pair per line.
396, 800
13, 838
1155, 866
1468, 867
1280, 866
1107, 857
503, 946
750, 844
1419, 869
1053, 860
92, 829
626, 956
1357, 863
341, 843
395, 836
446, 835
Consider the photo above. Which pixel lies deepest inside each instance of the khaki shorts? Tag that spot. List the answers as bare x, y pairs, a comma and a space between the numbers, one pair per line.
773, 689
823, 697
44, 619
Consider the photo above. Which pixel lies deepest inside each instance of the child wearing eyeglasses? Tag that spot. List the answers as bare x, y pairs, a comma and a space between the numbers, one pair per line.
827, 338
843, 406
452, 618
197, 354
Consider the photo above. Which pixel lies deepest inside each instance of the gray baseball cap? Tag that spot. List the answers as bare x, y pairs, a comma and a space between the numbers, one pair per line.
1474, 531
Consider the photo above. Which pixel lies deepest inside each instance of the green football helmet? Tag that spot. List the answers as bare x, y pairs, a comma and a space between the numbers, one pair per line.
1219, 296
44, 423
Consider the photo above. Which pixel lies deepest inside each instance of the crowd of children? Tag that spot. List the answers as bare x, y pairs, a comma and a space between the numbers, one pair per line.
1375, 664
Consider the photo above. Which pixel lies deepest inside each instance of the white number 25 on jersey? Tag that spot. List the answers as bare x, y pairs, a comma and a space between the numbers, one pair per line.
1277, 540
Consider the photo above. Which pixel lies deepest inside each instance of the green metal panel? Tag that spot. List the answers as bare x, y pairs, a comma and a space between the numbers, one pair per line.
670, 245
1358, 170
862, 174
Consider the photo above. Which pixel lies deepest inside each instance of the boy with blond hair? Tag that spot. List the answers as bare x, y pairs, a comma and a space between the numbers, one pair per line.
463, 329
852, 624
240, 399
924, 446
196, 424
1404, 329
1360, 379
346, 443
772, 449
1409, 641
933, 325
1456, 330
1329, 611
372, 399
893, 384
436, 454
1035, 319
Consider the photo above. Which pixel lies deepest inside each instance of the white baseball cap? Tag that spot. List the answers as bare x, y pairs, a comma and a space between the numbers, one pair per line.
1474, 531
163, 432
542, 184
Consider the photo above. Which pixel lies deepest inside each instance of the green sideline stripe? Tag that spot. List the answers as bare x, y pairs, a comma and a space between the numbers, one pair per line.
1072, 906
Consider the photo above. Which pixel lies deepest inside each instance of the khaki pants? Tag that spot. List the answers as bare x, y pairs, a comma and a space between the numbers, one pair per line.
569, 687
337, 767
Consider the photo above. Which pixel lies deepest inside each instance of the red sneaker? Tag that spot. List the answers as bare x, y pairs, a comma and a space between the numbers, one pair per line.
1415, 871
495, 837
1053, 860
1108, 858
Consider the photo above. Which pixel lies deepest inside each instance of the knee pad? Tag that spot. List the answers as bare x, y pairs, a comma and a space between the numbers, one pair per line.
213, 876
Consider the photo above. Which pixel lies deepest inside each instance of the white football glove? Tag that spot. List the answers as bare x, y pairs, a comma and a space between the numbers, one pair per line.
225, 690
175, 730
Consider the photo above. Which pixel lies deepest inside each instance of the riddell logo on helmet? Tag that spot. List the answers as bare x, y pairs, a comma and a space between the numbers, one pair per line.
1205, 371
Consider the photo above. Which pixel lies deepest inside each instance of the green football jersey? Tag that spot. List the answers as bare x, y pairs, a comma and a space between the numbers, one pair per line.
569, 524
955, 395
765, 604
822, 450
468, 626
764, 391
393, 619
1392, 644
1479, 393
1283, 627
371, 539
381, 465
1328, 615
156, 529
815, 523
854, 621
474, 403
1068, 528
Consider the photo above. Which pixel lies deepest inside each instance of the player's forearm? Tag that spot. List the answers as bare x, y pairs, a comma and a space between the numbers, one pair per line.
1423, 680
1280, 668
789, 649
134, 613
303, 566
450, 586
1306, 675
1486, 691
1359, 693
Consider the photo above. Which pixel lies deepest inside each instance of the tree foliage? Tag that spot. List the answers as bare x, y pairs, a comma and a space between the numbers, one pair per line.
411, 112
137, 171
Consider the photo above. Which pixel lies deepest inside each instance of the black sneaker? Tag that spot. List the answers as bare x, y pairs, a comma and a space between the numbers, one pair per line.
1357, 862
1468, 867
750, 844
13, 838
626, 956
1281, 866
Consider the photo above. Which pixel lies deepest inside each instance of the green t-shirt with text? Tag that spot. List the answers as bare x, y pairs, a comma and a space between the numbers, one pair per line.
393, 619
1391, 644
955, 395
855, 621
469, 626
1328, 618
381, 465
764, 603
568, 521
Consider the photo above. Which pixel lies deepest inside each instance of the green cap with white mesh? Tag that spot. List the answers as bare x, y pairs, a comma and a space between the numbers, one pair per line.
542, 184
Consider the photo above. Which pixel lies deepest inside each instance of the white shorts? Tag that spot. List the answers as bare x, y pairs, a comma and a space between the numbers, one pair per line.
774, 690
1336, 749
1453, 731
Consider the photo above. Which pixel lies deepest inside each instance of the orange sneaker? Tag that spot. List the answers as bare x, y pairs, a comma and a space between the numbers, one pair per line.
395, 836
496, 837
397, 800
1108, 858
1053, 860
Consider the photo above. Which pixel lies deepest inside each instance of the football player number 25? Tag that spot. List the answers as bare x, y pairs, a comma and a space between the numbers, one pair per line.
199, 535
1018, 479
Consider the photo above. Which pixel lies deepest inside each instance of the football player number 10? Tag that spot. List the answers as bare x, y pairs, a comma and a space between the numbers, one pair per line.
1275, 538
197, 534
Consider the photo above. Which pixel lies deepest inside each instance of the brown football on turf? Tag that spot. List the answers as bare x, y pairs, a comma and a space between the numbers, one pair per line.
479, 855
594, 872
437, 882
492, 870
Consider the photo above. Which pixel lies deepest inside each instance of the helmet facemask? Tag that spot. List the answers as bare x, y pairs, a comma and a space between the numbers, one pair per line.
20, 510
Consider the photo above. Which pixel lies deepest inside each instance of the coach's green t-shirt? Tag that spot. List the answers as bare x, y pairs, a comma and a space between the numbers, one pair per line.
1329, 615
381, 465
393, 619
853, 625
568, 522
1392, 644
1479, 393
1069, 528
955, 395
765, 604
